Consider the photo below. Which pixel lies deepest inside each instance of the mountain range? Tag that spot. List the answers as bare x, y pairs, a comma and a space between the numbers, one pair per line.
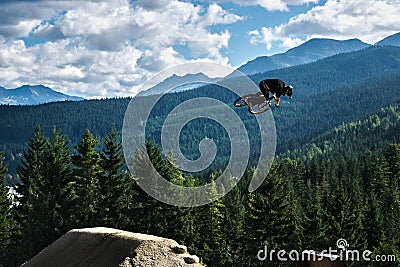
393, 40
310, 51
177, 83
33, 95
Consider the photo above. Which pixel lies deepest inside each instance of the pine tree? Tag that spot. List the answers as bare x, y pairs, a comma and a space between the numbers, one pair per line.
268, 221
132, 209
345, 218
293, 172
163, 216
57, 191
186, 218
153, 216
392, 156
233, 225
208, 236
216, 241
254, 235
188, 232
112, 179
165, 166
45, 192
5, 216
373, 222
136, 212
31, 209
296, 237
385, 188
87, 173
31, 169
315, 222
380, 181
386, 183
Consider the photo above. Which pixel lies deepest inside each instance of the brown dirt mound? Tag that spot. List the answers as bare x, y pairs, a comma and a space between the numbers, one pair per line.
109, 247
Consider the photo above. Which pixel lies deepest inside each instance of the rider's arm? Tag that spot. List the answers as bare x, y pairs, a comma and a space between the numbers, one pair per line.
277, 98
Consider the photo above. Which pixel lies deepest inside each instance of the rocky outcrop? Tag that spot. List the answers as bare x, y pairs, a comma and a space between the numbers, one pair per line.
112, 247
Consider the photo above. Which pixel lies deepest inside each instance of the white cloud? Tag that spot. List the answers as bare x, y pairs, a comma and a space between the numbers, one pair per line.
22, 28
15, 54
271, 5
18, 18
212, 43
216, 15
106, 48
159, 59
93, 18
68, 73
369, 21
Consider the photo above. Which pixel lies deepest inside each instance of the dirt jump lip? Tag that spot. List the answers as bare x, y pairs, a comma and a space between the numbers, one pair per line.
102, 246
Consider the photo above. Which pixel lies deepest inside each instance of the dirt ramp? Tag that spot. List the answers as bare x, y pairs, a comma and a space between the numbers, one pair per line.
110, 247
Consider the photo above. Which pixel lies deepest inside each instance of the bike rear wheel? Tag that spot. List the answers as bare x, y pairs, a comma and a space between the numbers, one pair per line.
240, 102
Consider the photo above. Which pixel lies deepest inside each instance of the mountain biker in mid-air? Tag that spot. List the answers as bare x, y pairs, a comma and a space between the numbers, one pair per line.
260, 102
277, 88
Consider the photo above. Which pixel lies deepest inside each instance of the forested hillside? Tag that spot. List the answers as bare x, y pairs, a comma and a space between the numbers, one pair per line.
302, 204
327, 93
373, 132
69, 117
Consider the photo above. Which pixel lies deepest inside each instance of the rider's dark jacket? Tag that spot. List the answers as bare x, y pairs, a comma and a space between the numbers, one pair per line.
275, 86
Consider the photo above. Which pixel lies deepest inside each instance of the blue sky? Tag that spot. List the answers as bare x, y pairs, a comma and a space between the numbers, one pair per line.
240, 50
108, 48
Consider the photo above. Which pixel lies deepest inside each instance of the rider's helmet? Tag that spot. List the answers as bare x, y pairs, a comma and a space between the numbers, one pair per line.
289, 91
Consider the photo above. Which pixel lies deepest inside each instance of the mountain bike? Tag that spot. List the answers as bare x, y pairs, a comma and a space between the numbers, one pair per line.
256, 103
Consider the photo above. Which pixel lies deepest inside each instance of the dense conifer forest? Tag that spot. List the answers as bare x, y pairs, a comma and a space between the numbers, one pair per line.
327, 93
336, 173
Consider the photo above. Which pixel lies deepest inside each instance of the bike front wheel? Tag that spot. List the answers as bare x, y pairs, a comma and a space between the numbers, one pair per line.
260, 108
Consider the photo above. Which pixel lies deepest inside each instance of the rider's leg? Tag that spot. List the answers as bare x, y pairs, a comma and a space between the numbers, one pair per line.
264, 90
